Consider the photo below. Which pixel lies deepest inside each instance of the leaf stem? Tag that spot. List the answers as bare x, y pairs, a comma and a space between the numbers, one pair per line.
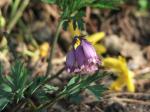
52, 52
59, 97
14, 7
51, 103
18, 14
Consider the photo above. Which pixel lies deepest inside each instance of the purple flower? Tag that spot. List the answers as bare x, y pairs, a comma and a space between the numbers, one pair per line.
82, 58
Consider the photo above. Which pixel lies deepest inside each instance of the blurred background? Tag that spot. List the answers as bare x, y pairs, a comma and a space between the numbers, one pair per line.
27, 29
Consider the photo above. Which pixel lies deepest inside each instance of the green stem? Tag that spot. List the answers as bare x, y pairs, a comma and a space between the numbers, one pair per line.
52, 52
50, 78
51, 103
16, 17
15, 7
56, 75
59, 97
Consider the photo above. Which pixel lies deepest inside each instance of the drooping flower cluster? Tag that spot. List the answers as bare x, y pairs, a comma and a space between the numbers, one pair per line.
82, 58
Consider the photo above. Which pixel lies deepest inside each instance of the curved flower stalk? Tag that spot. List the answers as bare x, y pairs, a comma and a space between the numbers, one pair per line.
82, 58
125, 76
93, 39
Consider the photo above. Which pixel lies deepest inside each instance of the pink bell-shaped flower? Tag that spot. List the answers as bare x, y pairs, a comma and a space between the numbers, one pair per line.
82, 58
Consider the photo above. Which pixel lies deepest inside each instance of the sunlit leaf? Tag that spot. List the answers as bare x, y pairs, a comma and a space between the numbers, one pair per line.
49, 88
36, 83
76, 86
143, 4
6, 87
74, 80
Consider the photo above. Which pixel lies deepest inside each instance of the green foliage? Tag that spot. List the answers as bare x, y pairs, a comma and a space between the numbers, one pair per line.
80, 84
73, 81
39, 89
35, 84
12, 86
49, 88
76, 98
143, 4
18, 78
73, 9
106, 4
97, 90
4, 94
77, 83
16, 86
3, 103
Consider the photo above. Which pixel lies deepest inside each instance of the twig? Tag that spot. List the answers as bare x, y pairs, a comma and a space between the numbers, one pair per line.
49, 104
123, 94
56, 75
50, 78
73, 89
131, 101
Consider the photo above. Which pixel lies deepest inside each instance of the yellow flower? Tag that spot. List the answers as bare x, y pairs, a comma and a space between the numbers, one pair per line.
44, 48
77, 43
125, 76
93, 39
118, 65
100, 49
37, 53
74, 32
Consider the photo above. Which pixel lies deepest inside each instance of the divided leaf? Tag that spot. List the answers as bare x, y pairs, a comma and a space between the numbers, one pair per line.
73, 80
74, 9
76, 84
97, 90
13, 86
49, 88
